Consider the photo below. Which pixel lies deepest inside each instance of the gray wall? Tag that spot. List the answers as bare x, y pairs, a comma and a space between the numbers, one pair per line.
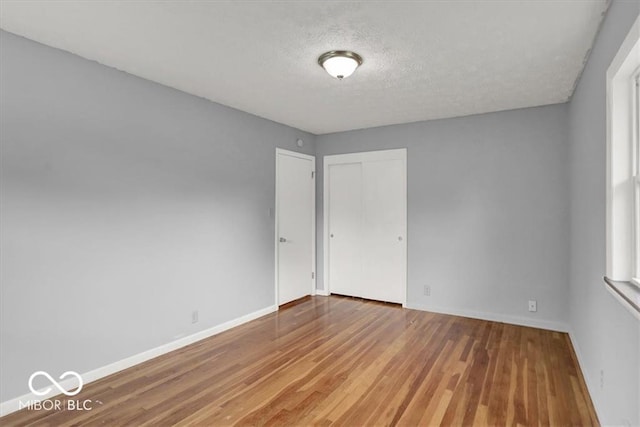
125, 206
606, 335
488, 210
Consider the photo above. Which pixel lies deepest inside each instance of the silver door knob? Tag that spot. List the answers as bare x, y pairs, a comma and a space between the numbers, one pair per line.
332, 235
282, 240
400, 238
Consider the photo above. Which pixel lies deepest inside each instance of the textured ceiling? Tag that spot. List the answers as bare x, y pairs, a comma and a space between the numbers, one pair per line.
422, 60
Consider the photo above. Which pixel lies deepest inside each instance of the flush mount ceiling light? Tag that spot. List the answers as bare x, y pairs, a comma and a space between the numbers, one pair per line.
340, 63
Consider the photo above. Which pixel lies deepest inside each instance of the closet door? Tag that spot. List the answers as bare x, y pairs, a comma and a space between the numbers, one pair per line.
345, 238
384, 217
365, 226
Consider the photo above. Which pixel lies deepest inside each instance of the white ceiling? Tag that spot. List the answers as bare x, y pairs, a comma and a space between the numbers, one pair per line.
422, 60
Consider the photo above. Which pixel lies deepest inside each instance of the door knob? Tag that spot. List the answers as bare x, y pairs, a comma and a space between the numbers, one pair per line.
331, 235
400, 238
283, 240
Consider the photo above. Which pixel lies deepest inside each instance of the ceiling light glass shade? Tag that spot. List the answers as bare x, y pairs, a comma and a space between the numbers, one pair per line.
340, 67
340, 63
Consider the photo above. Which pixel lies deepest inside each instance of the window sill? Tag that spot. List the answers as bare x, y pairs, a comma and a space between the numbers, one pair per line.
627, 293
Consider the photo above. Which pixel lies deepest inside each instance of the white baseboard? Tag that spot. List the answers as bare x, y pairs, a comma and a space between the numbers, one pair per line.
591, 388
494, 317
14, 404
322, 292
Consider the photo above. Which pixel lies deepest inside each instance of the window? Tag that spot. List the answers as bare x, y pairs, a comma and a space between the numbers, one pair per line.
623, 173
636, 181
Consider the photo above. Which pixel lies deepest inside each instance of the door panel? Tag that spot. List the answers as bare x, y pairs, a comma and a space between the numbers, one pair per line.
384, 216
345, 224
295, 217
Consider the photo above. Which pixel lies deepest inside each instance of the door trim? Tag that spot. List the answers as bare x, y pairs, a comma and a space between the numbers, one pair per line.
336, 159
281, 151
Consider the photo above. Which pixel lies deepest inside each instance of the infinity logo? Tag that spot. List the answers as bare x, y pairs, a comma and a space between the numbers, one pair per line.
55, 383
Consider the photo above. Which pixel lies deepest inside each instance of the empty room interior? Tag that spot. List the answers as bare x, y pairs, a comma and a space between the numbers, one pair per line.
300, 213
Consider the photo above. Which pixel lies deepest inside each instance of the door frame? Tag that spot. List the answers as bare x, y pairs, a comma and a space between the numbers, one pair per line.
313, 275
336, 159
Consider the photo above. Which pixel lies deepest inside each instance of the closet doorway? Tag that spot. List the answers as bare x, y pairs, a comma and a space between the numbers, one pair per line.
365, 227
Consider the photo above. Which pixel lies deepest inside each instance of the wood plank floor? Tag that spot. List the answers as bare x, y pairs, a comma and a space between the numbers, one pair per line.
337, 360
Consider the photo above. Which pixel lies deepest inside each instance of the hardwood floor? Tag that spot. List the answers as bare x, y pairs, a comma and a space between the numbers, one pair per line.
337, 360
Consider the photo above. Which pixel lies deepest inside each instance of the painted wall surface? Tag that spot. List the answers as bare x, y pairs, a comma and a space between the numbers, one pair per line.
126, 205
606, 336
488, 211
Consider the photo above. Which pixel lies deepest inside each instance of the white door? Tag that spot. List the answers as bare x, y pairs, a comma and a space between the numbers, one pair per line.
365, 227
345, 204
384, 217
295, 225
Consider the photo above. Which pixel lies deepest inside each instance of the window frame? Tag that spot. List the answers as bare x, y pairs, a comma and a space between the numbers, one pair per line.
635, 174
622, 275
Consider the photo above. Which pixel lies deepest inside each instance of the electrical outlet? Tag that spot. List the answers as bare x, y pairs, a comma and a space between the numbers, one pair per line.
533, 305
427, 290
194, 316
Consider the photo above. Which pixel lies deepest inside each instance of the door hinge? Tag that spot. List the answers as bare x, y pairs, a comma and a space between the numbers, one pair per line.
313, 174
313, 275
